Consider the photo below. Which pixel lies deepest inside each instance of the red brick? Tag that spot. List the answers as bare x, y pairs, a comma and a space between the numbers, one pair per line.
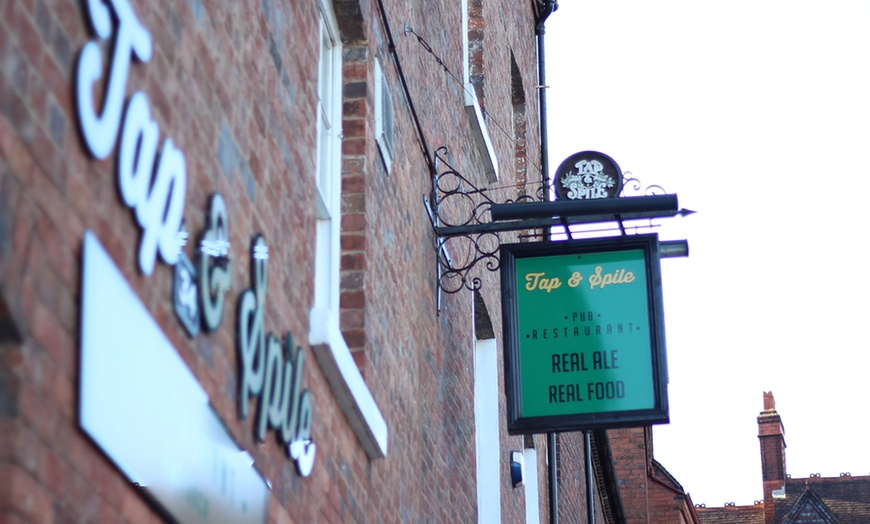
352, 184
355, 71
353, 203
353, 222
359, 357
353, 146
355, 261
355, 242
52, 338
353, 299
356, 107
352, 280
24, 496
352, 319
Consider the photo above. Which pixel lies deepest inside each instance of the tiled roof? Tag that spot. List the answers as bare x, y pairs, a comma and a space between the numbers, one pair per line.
846, 499
732, 515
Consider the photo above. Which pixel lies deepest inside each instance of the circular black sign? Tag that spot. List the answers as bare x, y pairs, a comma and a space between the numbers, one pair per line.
588, 175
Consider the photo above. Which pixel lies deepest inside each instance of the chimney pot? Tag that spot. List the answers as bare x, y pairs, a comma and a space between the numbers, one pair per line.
769, 403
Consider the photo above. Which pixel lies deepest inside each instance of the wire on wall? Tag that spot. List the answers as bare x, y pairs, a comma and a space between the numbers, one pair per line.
489, 117
424, 145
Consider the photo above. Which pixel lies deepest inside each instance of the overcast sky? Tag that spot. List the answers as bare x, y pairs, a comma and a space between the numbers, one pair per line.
757, 115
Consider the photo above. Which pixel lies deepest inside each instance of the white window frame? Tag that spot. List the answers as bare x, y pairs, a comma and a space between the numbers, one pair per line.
384, 117
486, 435
324, 336
530, 485
328, 176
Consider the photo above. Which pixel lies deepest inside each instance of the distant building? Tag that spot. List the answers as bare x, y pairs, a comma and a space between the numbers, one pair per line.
732, 514
844, 500
814, 500
649, 493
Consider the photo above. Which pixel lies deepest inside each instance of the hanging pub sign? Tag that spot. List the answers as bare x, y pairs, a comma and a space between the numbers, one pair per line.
588, 175
583, 334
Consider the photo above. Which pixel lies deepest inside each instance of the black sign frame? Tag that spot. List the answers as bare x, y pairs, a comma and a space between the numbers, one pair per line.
659, 413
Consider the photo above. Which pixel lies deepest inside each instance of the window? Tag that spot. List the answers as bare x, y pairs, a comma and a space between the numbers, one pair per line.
326, 273
324, 335
383, 117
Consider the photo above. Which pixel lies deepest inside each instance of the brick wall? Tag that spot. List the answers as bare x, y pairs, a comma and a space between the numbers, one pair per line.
668, 503
234, 86
629, 448
649, 493
571, 475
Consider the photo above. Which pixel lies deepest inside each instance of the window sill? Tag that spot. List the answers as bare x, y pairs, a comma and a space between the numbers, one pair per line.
347, 383
481, 135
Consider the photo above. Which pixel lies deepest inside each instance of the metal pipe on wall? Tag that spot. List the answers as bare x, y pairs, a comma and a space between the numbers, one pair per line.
546, 9
552, 479
590, 481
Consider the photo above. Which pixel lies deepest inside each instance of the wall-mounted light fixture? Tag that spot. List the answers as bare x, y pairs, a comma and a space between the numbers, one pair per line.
517, 468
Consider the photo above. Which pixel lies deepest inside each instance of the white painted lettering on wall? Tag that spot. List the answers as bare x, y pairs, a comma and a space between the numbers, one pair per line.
155, 193
272, 374
153, 185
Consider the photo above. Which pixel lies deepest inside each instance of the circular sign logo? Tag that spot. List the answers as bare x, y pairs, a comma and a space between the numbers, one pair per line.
588, 175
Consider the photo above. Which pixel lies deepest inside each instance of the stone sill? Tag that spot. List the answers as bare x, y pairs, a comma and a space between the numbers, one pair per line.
481, 135
347, 383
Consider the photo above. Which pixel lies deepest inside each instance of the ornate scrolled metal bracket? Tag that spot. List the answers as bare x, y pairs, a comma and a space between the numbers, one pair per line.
468, 220
465, 236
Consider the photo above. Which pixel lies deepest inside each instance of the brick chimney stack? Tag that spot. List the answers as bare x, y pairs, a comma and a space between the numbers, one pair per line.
771, 436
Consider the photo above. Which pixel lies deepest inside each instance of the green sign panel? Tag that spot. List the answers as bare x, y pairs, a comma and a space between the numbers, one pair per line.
584, 335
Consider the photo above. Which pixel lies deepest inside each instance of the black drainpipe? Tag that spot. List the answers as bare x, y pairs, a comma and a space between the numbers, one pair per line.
391, 47
543, 9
